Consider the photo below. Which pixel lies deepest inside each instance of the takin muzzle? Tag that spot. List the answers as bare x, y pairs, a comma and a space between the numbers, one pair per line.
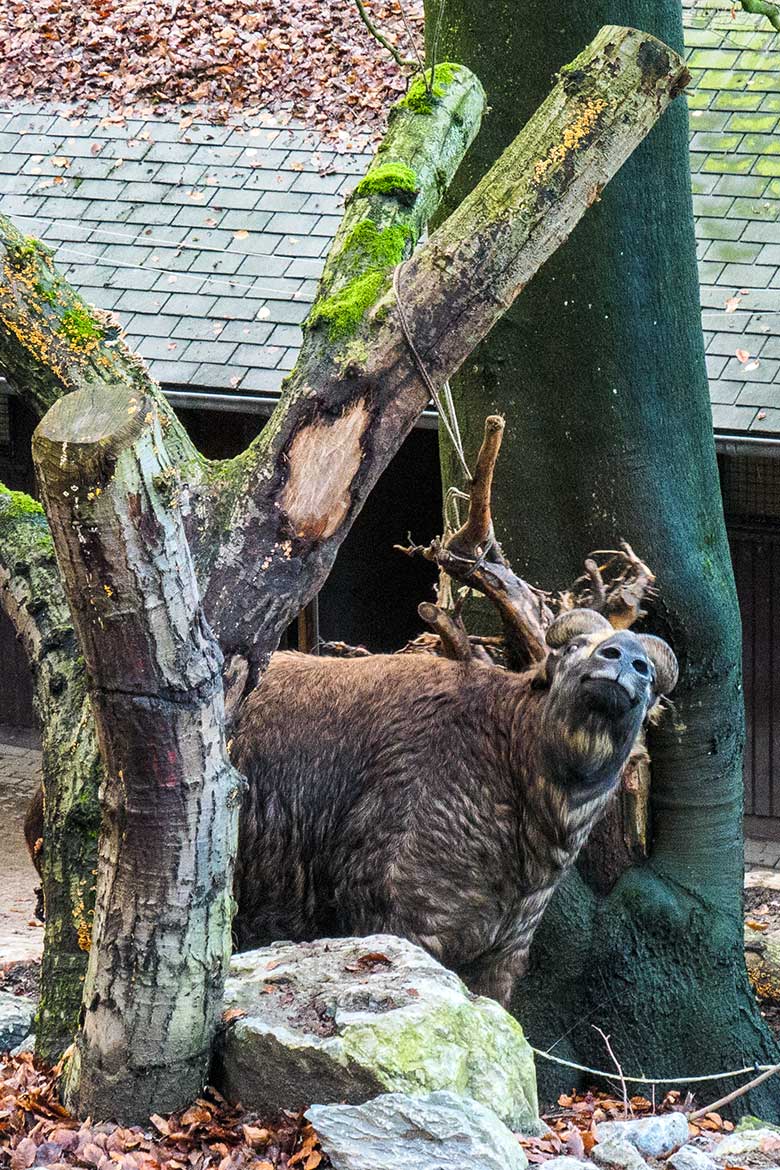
437, 800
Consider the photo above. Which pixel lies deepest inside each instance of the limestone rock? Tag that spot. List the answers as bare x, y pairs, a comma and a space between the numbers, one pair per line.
344, 1020
441, 1131
618, 1154
748, 1141
16, 1017
655, 1137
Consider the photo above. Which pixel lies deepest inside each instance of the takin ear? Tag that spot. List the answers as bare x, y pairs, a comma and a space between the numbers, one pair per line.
544, 671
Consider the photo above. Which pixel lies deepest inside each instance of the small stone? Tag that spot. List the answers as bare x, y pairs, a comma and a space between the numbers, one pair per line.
691, 1158
442, 1131
16, 1017
567, 1163
751, 1122
27, 1045
618, 1154
655, 1137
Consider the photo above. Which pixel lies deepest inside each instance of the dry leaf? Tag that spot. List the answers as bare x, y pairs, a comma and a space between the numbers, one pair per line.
742, 355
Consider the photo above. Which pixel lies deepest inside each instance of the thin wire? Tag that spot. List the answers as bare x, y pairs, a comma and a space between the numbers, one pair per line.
450, 422
610, 1076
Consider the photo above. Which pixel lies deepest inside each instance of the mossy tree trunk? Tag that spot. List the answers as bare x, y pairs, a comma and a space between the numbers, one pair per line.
262, 530
600, 371
32, 596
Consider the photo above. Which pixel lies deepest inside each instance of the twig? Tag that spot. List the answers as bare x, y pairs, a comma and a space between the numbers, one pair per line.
764, 8
770, 1072
401, 62
616, 1062
413, 43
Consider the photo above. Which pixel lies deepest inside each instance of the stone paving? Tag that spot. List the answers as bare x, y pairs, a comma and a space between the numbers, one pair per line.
21, 937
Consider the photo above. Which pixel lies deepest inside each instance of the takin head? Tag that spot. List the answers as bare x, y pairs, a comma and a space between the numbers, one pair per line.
603, 685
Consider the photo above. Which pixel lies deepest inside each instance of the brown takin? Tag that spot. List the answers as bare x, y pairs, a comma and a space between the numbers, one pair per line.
437, 800
442, 801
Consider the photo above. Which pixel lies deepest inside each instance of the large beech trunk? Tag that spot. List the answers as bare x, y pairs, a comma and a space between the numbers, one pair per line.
136, 514
600, 369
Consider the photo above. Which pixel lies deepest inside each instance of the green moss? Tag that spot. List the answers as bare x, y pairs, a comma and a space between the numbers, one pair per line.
425, 91
370, 254
14, 505
389, 179
373, 248
79, 326
343, 312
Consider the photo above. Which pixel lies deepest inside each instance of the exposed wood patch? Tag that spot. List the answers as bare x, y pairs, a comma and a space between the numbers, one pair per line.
324, 459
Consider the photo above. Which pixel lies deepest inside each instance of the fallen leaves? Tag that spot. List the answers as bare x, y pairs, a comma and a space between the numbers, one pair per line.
573, 1124
35, 1130
308, 59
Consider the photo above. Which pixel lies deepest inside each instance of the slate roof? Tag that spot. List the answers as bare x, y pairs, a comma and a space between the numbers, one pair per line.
735, 159
208, 240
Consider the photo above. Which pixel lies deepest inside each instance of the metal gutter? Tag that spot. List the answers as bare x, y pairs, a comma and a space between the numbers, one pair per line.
735, 444
262, 404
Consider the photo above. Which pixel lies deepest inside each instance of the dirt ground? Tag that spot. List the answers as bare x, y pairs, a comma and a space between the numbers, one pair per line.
21, 936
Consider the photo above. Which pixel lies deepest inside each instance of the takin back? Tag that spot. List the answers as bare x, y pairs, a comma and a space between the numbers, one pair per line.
438, 800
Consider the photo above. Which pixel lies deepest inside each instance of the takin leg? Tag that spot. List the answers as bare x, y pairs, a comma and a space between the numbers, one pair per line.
33, 834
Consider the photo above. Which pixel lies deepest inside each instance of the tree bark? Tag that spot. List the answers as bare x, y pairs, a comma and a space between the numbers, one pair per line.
31, 595
262, 531
162, 935
600, 371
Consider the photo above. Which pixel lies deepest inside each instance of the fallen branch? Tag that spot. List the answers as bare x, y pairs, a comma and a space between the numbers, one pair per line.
759, 1080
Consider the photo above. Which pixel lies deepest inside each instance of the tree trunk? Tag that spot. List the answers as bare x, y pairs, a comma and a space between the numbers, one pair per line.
599, 368
162, 936
32, 596
118, 476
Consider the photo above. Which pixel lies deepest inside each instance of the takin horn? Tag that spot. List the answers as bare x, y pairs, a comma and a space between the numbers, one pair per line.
573, 624
663, 658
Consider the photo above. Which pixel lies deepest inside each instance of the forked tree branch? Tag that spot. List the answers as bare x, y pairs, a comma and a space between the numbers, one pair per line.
357, 390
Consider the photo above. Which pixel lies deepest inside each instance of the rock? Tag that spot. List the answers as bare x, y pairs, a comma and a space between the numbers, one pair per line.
16, 1017
27, 1045
691, 1158
618, 1154
655, 1137
765, 1140
441, 1131
344, 1020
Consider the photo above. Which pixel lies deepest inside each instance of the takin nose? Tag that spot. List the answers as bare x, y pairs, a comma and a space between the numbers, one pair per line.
620, 662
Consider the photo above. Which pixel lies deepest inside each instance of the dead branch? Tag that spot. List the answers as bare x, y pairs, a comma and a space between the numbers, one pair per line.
449, 626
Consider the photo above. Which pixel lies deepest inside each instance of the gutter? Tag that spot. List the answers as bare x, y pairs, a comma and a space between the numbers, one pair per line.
728, 443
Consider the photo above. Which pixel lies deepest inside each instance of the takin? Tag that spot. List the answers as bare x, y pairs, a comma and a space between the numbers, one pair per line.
437, 800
